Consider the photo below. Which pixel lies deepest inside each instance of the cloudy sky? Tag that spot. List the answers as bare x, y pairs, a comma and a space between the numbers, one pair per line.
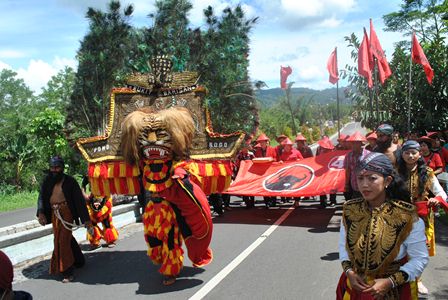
38, 38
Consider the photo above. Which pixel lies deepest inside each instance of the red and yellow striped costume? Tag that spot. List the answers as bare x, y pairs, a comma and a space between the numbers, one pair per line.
103, 215
163, 237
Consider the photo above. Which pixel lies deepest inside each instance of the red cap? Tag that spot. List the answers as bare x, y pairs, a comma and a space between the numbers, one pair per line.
300, 137
356, 137
372, 136
326, 143
280, 138
432, 134
262, 137
287, 141
425, 139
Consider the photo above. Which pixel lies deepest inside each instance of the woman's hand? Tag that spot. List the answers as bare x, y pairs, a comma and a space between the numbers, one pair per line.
356, 281
433, 202
379, 288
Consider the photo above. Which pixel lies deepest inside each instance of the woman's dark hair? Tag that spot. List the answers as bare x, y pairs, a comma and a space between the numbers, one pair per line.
421, 171
428, 144
380, 163
398, 189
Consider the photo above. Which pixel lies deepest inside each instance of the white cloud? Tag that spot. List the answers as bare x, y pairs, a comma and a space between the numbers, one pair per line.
302, 8
330, 23
39, 72
4, 66
9, 53
310, 72
316, 7
297, 15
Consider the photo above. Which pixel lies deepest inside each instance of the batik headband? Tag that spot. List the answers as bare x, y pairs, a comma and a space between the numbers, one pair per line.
410, 145
376, 162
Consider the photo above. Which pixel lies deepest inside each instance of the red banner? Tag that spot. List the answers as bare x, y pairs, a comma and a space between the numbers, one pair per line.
365, 61
284, 73
332, 67
384, 71
419, 57
323, 174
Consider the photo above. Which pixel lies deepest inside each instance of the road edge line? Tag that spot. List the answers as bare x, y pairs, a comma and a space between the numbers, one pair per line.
212, 283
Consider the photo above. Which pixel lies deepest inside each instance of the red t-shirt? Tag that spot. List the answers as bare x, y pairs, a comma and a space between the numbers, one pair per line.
433, 161
270, 152
294, 154
444, 156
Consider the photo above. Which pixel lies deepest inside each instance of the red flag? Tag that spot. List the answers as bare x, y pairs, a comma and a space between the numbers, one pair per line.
419, 57
332, 67
284, 73
312, 176
377, 51
365, 60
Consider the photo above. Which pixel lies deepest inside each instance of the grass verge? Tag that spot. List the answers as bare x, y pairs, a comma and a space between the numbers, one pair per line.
19, 200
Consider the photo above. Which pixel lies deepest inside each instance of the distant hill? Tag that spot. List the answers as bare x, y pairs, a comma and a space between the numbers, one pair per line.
270, 97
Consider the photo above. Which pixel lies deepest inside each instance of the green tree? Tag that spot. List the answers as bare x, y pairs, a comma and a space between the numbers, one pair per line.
17, 105
424, 17
223, 64
102, 59
219, 54
169, 35
48, 127
59, 89
429, 103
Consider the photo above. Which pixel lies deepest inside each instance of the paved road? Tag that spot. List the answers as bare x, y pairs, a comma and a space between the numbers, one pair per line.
298, 260
17, 216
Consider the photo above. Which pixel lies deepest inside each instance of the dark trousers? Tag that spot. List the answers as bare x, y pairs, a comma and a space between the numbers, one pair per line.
249, 201
270, 201
226, 199
323, 199
216, 202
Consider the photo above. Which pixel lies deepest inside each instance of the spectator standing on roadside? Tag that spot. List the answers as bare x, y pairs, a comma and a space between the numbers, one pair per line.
351, 162
266, 151
432, 159
384, 142
302, 146
371, 139
396, 138
325, 146
245, 154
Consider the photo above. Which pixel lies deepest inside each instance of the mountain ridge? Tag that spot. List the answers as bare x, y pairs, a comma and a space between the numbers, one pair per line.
270, 97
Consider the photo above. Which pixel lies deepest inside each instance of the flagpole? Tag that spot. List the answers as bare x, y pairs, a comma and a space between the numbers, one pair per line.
410, 88
375, 89
337, 95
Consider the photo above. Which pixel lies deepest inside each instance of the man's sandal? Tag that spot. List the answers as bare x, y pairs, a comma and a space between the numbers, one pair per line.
168, 280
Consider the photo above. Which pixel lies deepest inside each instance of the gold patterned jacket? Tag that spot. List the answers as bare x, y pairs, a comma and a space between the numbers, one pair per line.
374, 236
414, 185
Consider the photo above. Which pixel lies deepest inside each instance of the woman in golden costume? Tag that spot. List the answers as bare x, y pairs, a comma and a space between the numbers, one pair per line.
382, 241
426, 191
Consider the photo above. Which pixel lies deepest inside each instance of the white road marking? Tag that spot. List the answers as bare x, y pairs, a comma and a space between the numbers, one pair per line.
239, 259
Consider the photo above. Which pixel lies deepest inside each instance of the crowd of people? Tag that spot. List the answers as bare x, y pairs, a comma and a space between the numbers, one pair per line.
391, 182
387, 231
